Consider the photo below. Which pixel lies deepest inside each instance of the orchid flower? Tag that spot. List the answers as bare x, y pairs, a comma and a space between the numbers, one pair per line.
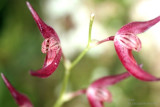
97, 92
50, 46
21, 99
126, 40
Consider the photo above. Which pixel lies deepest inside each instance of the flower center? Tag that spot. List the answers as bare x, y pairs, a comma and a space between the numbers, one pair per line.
51, 47
49, 44
103, 95
130, 41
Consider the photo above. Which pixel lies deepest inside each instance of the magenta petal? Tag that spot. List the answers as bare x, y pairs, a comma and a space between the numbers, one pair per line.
45, 30
110, 80
138, 27
48, 69
21, 99
131, 65
94, 103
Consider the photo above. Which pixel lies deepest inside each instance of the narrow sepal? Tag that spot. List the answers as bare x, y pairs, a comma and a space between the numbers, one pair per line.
138, 27
45, 30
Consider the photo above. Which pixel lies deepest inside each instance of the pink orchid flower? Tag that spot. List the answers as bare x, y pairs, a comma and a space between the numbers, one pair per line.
126, 40
50, 46
97, 93
21, 99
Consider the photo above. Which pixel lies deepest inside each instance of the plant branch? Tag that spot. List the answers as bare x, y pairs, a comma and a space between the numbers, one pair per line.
68, 66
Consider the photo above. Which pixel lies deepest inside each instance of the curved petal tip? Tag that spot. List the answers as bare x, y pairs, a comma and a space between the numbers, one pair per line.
45, 30
49, 67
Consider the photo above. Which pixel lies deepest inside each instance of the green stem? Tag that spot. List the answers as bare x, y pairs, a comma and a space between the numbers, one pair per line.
79, 57
88, 44
69, 66
90, 28
64, 87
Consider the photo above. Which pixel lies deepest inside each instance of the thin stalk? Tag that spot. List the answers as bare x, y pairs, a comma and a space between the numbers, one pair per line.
79, 57
88, 44
70, 96
111, 38
90, 28
60, 100
69, 66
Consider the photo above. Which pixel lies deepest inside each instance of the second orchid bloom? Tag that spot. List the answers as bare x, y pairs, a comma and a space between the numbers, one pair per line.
126, 40
97, 93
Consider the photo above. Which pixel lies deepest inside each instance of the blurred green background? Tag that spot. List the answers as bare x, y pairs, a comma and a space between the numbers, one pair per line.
20, 50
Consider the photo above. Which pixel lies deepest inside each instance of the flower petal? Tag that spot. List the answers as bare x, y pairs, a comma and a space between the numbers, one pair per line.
110, 80
50, 65
93, 102
128, 61
21, 99
125, 54
45, 30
